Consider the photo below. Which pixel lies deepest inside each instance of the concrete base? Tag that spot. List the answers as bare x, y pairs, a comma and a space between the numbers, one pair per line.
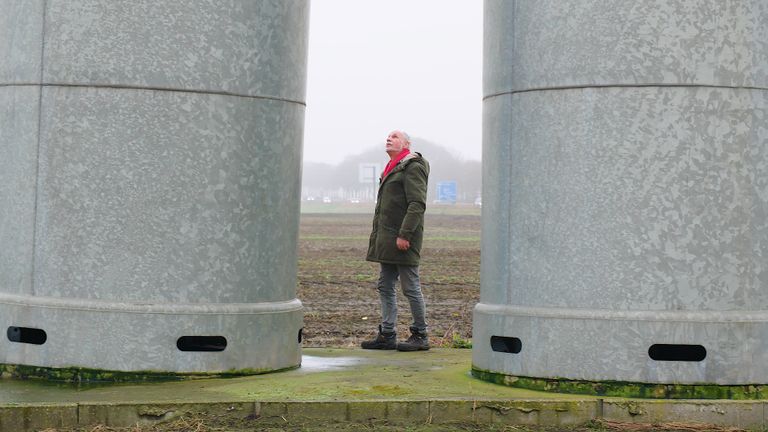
605, 345
142, 338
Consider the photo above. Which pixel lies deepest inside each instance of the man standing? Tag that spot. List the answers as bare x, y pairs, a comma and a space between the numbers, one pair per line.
398, 228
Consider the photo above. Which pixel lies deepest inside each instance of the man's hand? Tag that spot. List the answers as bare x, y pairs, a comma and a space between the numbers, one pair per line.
403, 244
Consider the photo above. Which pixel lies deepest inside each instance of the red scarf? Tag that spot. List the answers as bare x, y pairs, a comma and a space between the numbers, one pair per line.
393, 162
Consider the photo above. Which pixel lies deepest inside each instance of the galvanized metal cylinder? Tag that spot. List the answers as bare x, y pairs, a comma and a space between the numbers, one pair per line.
625, 217
150, 159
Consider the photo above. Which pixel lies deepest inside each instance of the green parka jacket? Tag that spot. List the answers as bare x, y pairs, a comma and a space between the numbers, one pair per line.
400, 207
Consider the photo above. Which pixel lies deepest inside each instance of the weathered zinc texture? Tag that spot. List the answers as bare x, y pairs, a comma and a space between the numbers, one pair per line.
551, 43
149, 181
21, 32
625, 190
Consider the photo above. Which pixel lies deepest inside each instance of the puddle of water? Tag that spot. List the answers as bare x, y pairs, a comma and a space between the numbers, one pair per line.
321, 364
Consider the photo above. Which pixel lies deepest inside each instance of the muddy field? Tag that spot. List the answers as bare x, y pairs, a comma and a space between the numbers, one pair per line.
338, 287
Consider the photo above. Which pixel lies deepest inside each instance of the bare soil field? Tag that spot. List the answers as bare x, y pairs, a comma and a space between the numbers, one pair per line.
338, 287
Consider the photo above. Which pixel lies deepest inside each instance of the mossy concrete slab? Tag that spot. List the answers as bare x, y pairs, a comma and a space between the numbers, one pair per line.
271, 410
153, 413
744, 414
442, 411
325, 375
538, 412
347, 386
410, 411
28, 417
366, 412
323, 410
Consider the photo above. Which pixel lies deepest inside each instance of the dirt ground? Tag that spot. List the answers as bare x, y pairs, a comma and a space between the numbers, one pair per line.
338, 287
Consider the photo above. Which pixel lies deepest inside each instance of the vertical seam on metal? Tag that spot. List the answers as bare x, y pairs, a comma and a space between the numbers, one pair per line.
33, 281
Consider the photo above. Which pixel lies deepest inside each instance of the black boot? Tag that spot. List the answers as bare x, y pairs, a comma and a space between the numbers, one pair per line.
417, 342
383, 341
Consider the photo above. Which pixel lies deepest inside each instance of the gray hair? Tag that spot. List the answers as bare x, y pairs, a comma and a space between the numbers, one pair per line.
406, 136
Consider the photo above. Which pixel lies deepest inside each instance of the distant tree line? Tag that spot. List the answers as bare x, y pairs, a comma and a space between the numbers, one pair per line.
341, 181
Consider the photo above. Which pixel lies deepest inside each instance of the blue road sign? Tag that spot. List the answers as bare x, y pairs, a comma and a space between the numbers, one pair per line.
446, 192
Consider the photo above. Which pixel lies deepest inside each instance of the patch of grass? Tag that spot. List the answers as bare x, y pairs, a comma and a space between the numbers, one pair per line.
365, 277
459, 342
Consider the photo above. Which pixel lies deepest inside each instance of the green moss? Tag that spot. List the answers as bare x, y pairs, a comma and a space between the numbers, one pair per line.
86, 375
383, 391
626, 389
459, 342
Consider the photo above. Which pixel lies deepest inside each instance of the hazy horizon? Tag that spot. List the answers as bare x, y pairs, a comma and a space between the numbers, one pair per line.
376, 66
339, 158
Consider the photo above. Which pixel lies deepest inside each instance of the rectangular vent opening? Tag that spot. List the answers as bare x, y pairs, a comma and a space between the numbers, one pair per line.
677, 352
27, 335
201, 343
506, 344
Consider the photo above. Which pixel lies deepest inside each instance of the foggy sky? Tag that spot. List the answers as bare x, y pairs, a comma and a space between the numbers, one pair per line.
375, 66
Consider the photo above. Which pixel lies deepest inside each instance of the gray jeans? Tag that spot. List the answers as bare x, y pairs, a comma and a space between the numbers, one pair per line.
409, 281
